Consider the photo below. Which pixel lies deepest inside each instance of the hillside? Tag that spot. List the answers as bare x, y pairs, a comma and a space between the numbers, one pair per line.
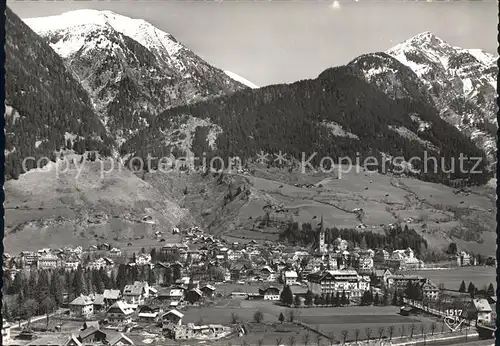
130, 69
37, 120
237, 206
71, 202
462, 83
339, 114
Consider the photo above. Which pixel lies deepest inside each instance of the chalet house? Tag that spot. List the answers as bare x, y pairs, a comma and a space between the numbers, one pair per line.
381, 256
481, 310
364, 264
172, 294
267, 273
430, 291
55, 340
174, 248
382, 276
92, 336
270, 293
98, 303
81, 306
194, 295
208, 290
290, 277
88, 324
149, 314
463, 259
104, 247
71, 263
172, 316
117, 339
160, 269
28, 258
136, 293
111, 296
92, 248
238, 271
120, 312
142, 259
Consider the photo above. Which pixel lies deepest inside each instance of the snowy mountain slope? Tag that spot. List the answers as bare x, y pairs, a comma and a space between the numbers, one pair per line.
131, 70
242, 80
462, 83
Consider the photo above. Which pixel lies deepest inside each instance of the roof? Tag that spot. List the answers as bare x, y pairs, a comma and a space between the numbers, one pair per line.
174, 312
209, 287
482, 305
114, 338
125, 308
58, 340
197, 291
111, 294
81, 301
99, 299
89, 331
132, 290
291, 274
94, 324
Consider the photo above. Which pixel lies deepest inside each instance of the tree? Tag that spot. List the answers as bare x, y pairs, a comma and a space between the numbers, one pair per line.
297, 301
305, 339
318, 339
395, 299
343, 299
462, 287
287, 295
491, 290
291, 341
258, 316
433, 327
471, 289
234, 318
344, 334
422, 329
403, 331
29, 308
368, 332
309, 298
278, 341
390, 331
356, 334
376, 301
260, 342
331, 338
412, 329
281, 317
385, 299
381, 331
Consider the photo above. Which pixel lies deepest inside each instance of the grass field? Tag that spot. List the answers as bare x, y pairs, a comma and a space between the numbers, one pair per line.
452, 278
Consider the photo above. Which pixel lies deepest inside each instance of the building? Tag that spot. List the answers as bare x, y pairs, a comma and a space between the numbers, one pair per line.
48, 261
5, 330
149, 314
430, 291
115, 253
120, 312
91, 335
400, 282
322, 235
463, 259
111, 296
136, 293
194, 295
290, 277
481, 310
270, 293
381, 256
364, 264
172, 316
28, 258
333, 281
81, 306
208, 290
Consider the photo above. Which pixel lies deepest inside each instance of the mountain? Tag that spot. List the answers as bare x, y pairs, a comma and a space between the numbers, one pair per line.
37, 120
241, 80
339, 114
130, 69
462, 83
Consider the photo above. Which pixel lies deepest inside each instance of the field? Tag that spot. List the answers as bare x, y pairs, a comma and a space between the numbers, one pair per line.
329, 321
452, 278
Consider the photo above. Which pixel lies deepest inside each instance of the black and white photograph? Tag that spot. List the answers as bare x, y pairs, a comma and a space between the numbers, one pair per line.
250, 172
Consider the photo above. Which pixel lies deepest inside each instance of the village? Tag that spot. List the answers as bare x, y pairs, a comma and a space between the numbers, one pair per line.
204, 289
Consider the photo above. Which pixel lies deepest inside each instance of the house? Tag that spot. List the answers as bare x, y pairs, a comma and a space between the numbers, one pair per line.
55, 340
194, 295
430, 291
400, 282
120, 312
381, 256
71, 263
174, 248
104, 247
28, 258
173, 294
381, 276
88, 324
91, 335
115, 253
270, 293
136, 293
290, 277
208, 290
463, 259
5, 330
98, 303
172, 316
117, 339
160, 269
148, 313
142, 259
481, 310
81, 306
111, 297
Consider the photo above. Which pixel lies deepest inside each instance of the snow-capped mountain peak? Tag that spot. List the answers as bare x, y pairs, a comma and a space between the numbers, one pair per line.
131, 69
461, 81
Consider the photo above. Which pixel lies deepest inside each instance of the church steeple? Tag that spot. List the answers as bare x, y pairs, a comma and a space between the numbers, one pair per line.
322, 245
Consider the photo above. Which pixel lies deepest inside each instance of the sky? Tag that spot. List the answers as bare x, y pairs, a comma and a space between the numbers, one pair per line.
281, 41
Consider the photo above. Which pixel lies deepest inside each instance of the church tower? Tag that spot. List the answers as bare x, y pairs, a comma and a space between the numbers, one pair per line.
322, 245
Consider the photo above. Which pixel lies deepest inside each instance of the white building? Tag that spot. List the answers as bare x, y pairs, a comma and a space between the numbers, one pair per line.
81, 306
290, 277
